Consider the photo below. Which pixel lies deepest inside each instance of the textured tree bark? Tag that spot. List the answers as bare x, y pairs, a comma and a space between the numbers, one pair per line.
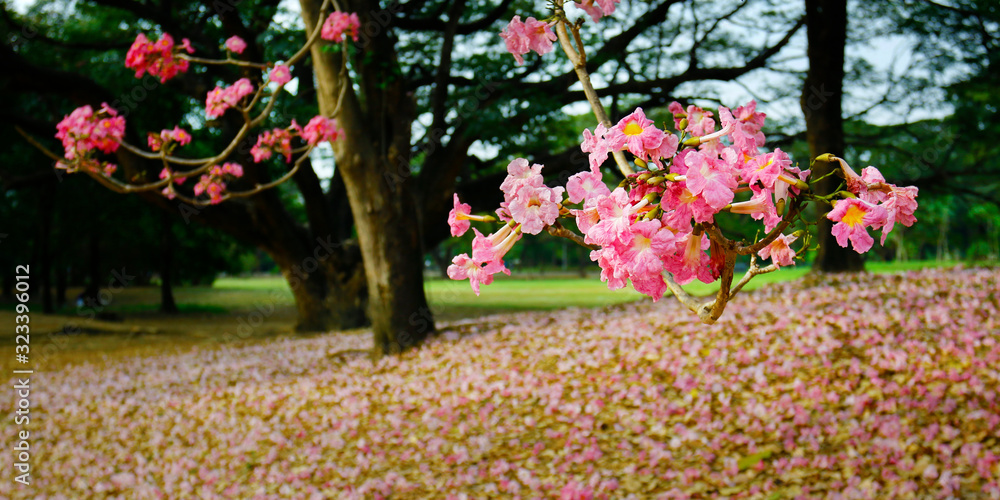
372, 158
167, 303
821, 101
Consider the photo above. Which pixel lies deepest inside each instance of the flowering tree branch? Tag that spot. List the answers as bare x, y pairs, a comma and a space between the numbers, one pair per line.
653, 230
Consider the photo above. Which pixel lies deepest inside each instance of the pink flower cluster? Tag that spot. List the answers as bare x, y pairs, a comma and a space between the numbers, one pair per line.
879, 205
83, 132
158, 59
168, 191
277, 140
213, 184
167, 137
654, 223
521, 37
321, 129
220, 99
339, 23
597, 8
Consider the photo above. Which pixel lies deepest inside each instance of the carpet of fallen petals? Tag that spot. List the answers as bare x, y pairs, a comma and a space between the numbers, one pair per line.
876, 386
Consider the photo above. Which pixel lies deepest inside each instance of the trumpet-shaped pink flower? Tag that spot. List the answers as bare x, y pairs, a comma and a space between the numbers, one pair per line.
899, 205
236, 44
712, 178
158, 59
766, 168
690, 262
597, 145
463, 267
616, 214
583, 186
519, 176
759, 206
535, 207
638, 135
321, 129
853, 216
280, 74
337, 24
700, 121
459, 225
746, 125
521, 37
780, 251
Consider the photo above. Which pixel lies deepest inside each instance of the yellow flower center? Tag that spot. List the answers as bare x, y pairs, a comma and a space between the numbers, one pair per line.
854, 215
632, 128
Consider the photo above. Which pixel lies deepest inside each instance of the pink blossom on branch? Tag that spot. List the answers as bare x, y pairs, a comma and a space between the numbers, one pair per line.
278, 140
520, 176
521, 37
712, 178
321, 129
280, 74
83, 132
597, 9
459, 224
158, 59
585, 185
535, 207
339, 23
780, 251
219, 99
853, 217
236, 44
177, 135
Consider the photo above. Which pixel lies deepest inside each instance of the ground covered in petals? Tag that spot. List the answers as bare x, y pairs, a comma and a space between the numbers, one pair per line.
873, 386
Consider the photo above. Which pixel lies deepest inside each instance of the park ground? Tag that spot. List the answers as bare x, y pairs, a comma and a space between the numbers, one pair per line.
882, 385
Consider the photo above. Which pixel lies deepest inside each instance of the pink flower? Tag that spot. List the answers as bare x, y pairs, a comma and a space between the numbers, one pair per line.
637, 133
597, 145
158, 59
277, 140
681, 206
711, 178
459, 225
520, 37
853, 216
280, 74
535, 207
700, 121
746, 125
616, 213
899, 205
479, 269
320, 129
588, 216
690, 262
519, 176
219, 99
759, 206
586, 185
613, 271
766, 168
236, 44
780, 251
641, 256
178, 135
166, 173
597, 8
339, 23
83, 131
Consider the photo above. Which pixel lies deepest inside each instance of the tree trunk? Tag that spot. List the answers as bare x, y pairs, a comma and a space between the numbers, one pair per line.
61, 278
822, 95
373, 160
167, 303
46, 200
